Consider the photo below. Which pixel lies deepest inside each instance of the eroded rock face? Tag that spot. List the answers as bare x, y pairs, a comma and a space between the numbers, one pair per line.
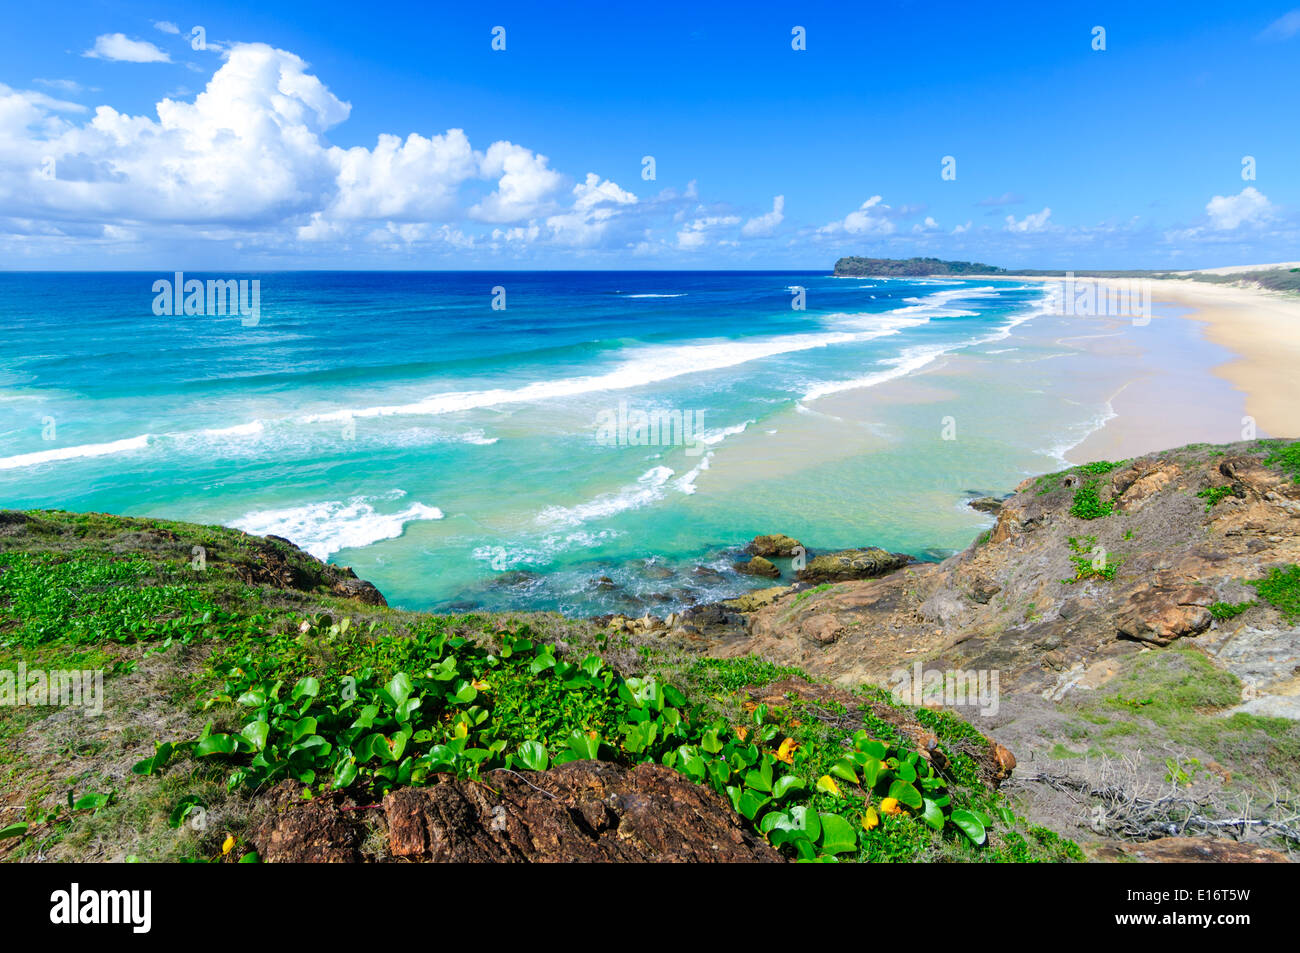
583, 811
1021, 602
852, 564
278, 562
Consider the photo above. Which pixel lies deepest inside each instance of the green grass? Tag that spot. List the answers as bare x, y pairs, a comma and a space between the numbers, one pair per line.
1286, 457
810, 592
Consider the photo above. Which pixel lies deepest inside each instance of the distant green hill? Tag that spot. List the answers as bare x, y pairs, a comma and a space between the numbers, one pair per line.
912, 267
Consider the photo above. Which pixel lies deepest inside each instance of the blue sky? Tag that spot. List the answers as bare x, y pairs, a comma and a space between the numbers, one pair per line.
287, 142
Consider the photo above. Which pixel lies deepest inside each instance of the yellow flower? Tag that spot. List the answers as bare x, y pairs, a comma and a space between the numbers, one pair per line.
890, 805
871, 819
229, 844
786, 751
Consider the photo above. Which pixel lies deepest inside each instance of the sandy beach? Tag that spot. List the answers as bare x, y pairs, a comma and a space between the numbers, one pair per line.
1260, 329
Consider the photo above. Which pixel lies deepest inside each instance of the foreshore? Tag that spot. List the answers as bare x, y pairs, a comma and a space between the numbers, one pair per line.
1260, 329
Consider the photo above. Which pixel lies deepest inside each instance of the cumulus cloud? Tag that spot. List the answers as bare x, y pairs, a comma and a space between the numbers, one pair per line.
871, 218
1247, 207
764, 225
1036, 222
118, 47
524, 186
596, 204
695, 234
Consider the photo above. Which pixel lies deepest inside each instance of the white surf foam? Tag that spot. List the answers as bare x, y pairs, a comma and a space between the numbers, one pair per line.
648, 488
325, 528
72, 453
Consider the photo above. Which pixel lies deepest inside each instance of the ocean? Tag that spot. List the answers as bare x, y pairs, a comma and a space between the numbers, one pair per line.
581, 441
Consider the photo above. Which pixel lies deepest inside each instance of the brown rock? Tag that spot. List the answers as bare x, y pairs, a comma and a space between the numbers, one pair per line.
1201, 850
758, 566
775, 544
1161, 614
852, 564
583, 811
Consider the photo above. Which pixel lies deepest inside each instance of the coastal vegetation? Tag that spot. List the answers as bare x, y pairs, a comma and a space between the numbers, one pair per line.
266, 684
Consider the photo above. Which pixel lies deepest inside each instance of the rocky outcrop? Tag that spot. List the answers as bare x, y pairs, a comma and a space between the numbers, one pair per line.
1050, 593
758, 566
775, 544
851, 564
583, 811
278, 562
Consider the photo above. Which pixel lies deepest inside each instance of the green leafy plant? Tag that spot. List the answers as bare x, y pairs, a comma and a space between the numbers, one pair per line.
1214, 495
1281, 589
1229, 610
1088, 504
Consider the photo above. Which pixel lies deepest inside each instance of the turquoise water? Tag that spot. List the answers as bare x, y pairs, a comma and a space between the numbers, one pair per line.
398, 423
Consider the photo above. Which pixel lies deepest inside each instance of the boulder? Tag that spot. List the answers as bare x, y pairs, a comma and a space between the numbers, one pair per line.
1160, 614
852, 564
758, 566
774, 544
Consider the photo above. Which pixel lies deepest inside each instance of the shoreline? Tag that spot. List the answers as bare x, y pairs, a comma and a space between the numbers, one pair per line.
1260, 329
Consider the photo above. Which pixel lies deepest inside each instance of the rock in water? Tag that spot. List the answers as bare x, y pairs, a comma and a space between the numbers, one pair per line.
758, 566
852, 564
775, 544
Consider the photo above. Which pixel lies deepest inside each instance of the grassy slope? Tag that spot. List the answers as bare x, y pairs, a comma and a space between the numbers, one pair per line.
195, 655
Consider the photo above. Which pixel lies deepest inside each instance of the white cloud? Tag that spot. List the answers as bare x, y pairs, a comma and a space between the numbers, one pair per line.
1036, 222
871, 218
764, 225
117, 47
417, 178
961, 229
694, 235
1247, 207
524, 184
1284, 27
62, 85
166, 26
596, 203
31, 99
